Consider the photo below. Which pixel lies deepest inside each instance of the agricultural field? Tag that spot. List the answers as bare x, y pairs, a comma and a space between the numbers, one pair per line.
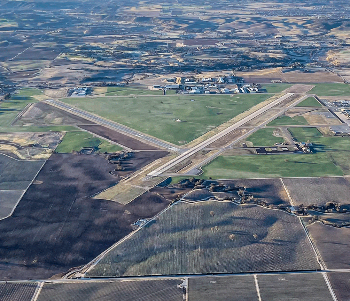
176, 119
265, 137
9, 109
332, 243
287, 120
275, 88
340, 284
17, 291
8, 201
17, 174
337, 149
126, 91
76, 141
318, 191
126, 290
320, 142
305, 134
331, 89
288, 287
29, 146
43, 115
269, 190
309, 102
234, 288
118, 137
37, 241
264, 166
318, 77
211, 237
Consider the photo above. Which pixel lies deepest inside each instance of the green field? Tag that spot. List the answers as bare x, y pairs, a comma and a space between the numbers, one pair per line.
333, 89
309, 102
157, 116
321, 143
261, 166
9, 109
276, 88
330, 158
264, 137
27, 129
305, 134
126, 91
286, 120
75, 141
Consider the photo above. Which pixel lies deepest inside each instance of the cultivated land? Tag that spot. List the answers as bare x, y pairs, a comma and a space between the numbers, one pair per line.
29, 146
235, 288
332, 243
318, 191
17, 291
211, 237
118, 49
288, 287
17, 174
155, 290
43, 115
118, 137
37, 241
337, 148
268, 190
286, 120
9, 109
264, 137
331, 89
175, 119
261, 166
275, 88
309, 102
341, 285
329, 158
76, 141
8, 201
126, 91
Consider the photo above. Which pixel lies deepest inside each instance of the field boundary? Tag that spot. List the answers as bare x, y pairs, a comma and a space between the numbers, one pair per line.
257, 287
314, 247
88, 267
24, 191
20, 114
95, 261
253, 130
99, 120
38, 291
110, 141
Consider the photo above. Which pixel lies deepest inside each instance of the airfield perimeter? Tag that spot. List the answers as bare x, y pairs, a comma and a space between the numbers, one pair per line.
271, 217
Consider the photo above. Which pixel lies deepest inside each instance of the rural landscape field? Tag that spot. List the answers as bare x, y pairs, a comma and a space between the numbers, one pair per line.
174, 150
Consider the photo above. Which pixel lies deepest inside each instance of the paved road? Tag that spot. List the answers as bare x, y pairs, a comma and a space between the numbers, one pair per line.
197, 168
207, 142
112, 125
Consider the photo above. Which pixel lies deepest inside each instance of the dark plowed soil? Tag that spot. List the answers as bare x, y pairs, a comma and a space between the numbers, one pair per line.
148, 290
333, 244
341, 285
268, 190
57, 225
17, 291
118, 137
17, 174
